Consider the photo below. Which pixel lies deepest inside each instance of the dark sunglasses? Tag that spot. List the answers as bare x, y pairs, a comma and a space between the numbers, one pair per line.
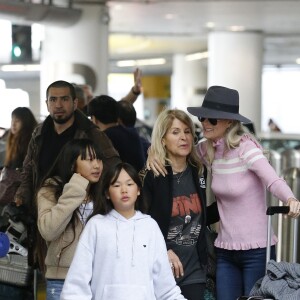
211, 121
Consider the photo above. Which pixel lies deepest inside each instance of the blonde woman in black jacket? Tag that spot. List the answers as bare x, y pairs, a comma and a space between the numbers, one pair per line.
177, 201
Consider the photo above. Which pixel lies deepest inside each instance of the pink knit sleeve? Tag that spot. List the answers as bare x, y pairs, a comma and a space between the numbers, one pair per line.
259, 164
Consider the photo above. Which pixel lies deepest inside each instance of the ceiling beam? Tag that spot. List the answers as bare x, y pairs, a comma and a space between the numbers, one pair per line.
46, 14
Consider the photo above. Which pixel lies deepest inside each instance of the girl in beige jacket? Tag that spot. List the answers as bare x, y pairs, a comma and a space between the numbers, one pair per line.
64, 201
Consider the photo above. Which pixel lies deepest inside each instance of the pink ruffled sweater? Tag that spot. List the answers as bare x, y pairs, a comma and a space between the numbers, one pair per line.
240, 178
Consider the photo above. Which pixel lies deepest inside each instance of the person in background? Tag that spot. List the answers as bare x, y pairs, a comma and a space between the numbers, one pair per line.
88, 91
127, 118
178, 201
104, 113
131, 97
240, 176
64, 202
23, 123
82, 98
121, 253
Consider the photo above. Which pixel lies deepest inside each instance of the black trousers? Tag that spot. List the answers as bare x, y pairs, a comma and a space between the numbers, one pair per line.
193, 291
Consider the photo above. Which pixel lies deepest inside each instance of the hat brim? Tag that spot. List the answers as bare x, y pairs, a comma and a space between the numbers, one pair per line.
216, 114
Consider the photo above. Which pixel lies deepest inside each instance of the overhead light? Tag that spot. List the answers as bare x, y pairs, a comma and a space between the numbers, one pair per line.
126, 63
298, 61
118, 6
210, 25
170, 16
20, 68
237, 28
141, 62
136, 44
196, 56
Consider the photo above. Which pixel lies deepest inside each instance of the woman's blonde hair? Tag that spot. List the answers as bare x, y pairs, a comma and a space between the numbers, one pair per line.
232, 139
162, 125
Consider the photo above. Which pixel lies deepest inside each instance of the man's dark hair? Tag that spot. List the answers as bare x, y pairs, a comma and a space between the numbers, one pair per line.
126, 113
62, 84
104, 109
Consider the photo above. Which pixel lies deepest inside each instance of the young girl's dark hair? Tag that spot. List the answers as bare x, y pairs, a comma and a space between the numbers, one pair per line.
64, 166
61, 173
16, 146
104, 206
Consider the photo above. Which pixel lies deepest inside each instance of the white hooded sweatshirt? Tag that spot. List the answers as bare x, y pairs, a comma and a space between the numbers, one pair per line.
121, 259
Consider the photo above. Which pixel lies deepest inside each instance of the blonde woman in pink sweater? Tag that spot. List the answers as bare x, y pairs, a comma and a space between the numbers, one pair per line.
241, 174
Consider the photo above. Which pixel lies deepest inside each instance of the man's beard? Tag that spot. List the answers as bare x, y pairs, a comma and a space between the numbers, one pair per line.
63, 120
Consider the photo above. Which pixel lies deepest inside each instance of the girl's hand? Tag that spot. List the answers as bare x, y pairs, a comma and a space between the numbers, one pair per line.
154, 165
294, 205
175, 264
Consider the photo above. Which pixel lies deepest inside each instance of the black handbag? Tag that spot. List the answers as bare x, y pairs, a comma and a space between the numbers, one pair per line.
10, 180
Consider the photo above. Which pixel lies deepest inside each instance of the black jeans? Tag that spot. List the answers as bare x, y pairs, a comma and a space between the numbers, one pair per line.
193, 291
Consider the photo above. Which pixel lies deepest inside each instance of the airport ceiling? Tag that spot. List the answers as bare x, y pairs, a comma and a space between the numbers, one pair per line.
157, 28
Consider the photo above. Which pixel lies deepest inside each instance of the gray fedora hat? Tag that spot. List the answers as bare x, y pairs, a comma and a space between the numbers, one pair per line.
219, 103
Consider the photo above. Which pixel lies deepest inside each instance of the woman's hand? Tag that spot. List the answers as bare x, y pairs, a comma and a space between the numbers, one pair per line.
155, 165
175, 264
294, 205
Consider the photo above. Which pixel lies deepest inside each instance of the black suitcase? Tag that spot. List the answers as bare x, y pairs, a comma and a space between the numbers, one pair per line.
272, 210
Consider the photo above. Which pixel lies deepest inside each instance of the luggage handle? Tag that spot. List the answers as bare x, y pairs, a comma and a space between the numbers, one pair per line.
272, 210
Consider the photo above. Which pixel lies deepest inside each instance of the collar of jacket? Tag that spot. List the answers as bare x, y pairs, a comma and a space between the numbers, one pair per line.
82, 122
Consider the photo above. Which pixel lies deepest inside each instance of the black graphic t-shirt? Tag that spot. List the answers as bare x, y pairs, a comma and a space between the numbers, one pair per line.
185, 227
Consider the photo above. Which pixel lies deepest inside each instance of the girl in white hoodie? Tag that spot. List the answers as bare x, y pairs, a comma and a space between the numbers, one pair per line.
121, 253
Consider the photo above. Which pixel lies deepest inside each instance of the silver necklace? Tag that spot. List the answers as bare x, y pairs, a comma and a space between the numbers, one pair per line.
180, 175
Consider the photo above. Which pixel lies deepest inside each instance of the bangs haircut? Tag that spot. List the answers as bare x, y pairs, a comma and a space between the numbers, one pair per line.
90, 151
85, 148
109, 178
129, 169
66, 160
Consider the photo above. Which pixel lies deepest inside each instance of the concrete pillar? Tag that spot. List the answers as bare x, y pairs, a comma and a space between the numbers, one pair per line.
235, 61
78, 53
188, 82
6, 34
